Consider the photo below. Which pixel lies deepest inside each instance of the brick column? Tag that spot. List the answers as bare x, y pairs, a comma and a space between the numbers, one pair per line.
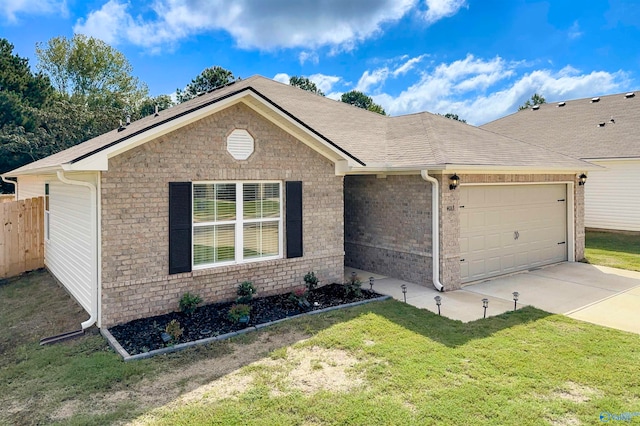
449, 234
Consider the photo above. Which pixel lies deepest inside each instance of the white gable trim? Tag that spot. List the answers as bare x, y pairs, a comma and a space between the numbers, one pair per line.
99, 161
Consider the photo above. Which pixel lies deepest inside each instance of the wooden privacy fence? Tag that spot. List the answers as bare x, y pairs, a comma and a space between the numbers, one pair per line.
7, 198
21, 236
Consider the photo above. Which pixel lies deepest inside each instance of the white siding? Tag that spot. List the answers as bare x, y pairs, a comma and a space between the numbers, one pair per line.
612, 197
68, 252
32, 186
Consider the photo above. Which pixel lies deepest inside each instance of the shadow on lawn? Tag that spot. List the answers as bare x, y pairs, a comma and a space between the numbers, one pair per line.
453, 333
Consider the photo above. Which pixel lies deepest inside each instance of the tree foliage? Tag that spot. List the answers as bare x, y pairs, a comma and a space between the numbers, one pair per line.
361, 100
88, 70
208, 79
535, 100
39, 119
453, 116
305, 84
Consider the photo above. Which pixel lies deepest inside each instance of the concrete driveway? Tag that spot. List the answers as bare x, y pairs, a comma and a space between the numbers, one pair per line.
596, 294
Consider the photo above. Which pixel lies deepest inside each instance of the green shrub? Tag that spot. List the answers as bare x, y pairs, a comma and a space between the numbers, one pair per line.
238, 311
245, 292
173, 329
311, 281
189, 302
352, 287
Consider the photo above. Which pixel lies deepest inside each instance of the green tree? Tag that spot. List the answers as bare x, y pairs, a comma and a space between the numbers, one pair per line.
208, 79
363, 101
535, 100
305, 84
148, 105
88, 70
22, 93
453, 116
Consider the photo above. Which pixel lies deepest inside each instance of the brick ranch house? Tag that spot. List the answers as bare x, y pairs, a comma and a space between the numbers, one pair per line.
262, 181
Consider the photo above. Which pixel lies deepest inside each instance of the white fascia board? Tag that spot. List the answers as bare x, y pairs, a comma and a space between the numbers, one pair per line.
617, 159
470, 169
40, 171
100, 160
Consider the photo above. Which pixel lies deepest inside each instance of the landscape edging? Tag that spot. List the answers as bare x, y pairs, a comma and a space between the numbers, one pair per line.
117, 347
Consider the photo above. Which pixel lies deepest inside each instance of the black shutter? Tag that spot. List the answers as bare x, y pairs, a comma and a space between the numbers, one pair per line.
179, 227
294, 219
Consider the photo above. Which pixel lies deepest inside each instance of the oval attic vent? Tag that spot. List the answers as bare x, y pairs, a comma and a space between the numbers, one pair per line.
240, 144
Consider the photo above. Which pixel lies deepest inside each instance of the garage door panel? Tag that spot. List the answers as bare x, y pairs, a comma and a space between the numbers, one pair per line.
506, 228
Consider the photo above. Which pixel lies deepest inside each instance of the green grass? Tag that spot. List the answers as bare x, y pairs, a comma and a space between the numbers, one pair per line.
617, 250
382, 363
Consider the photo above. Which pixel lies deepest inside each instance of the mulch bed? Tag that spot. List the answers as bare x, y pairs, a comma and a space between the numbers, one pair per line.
144, 335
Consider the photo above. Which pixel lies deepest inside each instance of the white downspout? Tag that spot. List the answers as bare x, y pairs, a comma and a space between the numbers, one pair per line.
435, 230
15, 185
94, 245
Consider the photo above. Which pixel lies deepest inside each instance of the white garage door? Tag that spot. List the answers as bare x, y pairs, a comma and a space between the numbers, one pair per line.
508, 228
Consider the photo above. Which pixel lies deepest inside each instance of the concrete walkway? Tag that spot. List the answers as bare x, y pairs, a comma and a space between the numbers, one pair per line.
596, 294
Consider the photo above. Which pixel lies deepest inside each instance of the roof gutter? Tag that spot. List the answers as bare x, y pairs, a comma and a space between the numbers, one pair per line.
435, 230
93, 318
14, 183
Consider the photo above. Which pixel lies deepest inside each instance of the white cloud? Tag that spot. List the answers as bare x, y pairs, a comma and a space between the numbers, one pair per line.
439, 9
407, 66
308, 57
253, 24
374, 78
481, 90
325, 82
10, 8
282, 77
574, 32
263, 25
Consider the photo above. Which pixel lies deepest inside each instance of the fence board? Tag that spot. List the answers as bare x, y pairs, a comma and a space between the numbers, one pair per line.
21, 236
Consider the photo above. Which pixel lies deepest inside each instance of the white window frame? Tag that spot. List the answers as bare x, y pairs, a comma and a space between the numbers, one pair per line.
239, 223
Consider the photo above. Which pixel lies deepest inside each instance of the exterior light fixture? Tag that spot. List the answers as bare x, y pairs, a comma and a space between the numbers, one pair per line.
353, 275
371, 283
404, 292
438, 300
582, 179
485, 305
515, 300
455, 181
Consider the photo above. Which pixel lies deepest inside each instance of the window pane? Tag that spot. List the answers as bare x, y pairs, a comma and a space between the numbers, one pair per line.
225, 243
251, 197
204, 203
260, 239
213, 244
214, 202
261, 200
225, 201
271, 200
203, 245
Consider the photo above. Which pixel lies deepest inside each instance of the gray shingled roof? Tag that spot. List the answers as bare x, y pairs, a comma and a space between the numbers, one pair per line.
418, 140
608, 128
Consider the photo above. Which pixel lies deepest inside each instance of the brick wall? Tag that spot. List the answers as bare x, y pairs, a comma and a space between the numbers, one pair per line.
388, 226
388, 223
135, 280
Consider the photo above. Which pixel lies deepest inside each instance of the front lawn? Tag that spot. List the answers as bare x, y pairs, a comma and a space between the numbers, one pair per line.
616, 250
382, 363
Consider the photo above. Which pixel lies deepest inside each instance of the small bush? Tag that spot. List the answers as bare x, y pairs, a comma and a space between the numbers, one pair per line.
352, 287
245, 292
173, 329
238, 311
189, 302
299, 296
311, 281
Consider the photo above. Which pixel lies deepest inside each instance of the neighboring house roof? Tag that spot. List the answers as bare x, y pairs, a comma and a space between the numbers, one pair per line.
590, 128
364, 139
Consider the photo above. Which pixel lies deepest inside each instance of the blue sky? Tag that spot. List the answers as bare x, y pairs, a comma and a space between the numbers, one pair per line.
479, 59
